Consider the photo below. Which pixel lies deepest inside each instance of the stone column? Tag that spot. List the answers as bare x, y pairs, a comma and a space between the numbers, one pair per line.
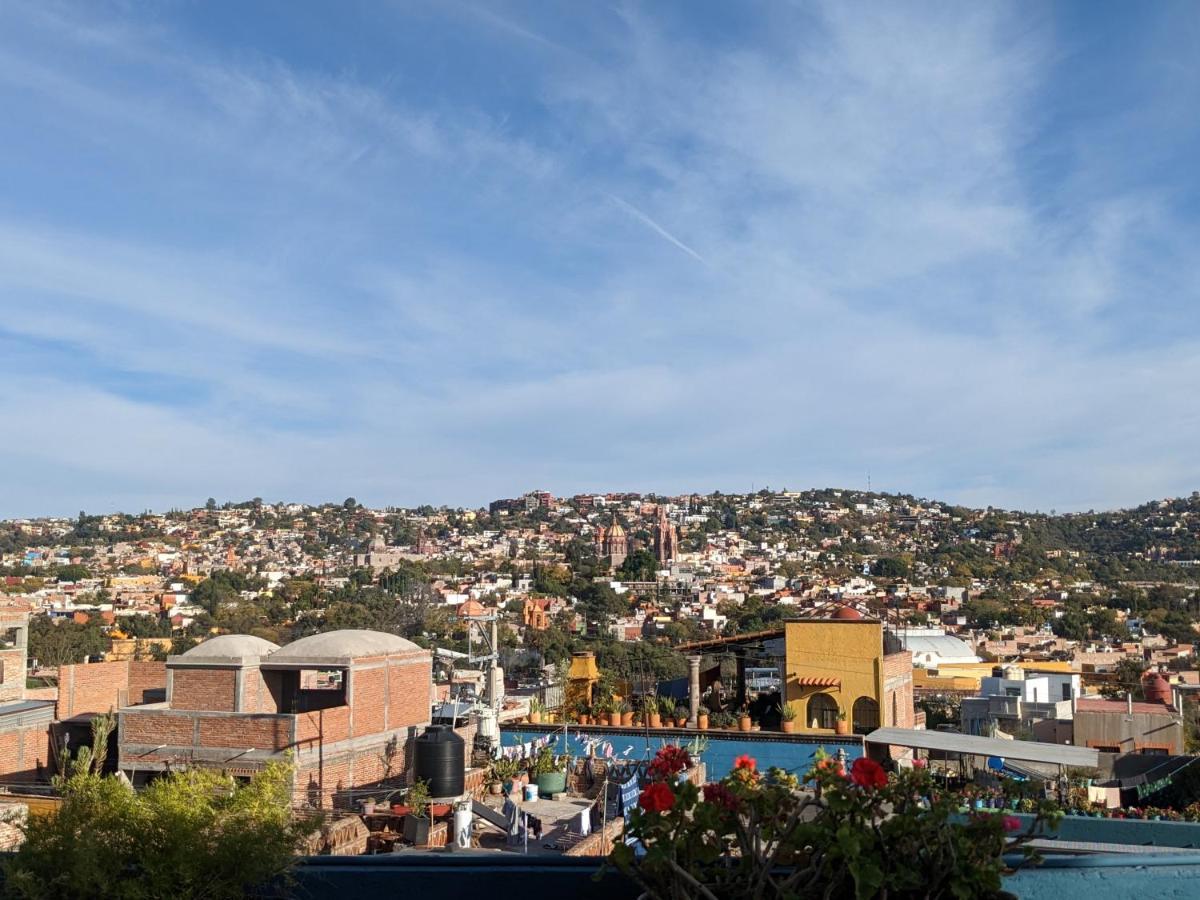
693, 691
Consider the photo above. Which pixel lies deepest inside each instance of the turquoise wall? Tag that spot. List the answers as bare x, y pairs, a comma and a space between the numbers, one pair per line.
794, 753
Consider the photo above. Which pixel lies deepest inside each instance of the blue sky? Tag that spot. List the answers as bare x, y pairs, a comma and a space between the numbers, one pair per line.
450, 251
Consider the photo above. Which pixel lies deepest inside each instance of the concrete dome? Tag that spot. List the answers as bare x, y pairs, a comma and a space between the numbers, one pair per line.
341, 647
236, 649
846, 614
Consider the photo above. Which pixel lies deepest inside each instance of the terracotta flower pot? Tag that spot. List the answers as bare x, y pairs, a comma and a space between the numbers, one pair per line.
535, 718
744, 723
614, 719
585, 720
842, 727
655, 720
702, 722
627, 718
787, 727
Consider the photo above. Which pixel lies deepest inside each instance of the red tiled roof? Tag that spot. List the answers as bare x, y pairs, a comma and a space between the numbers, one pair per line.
819, 682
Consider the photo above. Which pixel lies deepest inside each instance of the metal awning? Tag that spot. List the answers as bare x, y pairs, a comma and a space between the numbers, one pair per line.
949, 742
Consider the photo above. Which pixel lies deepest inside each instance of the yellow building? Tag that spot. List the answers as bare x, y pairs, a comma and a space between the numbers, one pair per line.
837, 670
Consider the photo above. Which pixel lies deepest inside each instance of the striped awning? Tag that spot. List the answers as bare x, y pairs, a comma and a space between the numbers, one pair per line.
819, 682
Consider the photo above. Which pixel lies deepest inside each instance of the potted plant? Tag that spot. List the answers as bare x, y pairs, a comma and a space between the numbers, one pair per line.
614, 713
842, 726
368, 806
416, 823
650, 711
681, 716
666, 710
743, 717
754, 725
549, 773
787, 717
535, 710
702, 719
626, 713
723, 720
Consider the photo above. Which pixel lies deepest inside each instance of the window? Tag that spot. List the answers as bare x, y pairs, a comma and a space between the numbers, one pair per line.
1066, 688
1012, 692
866, 715
822, 711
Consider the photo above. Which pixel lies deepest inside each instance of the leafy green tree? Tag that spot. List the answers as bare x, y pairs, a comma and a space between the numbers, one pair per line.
890, 567
640, 565
62, 642
1126, 678
190, 834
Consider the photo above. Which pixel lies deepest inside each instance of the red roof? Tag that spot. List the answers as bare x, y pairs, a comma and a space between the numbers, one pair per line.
1114, 707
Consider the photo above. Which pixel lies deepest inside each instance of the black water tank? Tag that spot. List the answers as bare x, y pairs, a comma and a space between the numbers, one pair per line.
441, 760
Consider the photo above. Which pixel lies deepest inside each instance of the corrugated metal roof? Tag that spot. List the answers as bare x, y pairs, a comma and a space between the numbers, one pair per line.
949, 742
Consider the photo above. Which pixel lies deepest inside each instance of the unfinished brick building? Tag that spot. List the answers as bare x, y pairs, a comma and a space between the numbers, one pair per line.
346, 704
24, 723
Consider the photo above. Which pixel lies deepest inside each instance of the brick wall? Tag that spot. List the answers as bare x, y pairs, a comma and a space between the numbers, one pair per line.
157, 727
145, 676
368, 687
203, 689
256, 696
321, 779
12, 674
897, 711
408, 693
333, 723
242, 732
22, 751
90, 688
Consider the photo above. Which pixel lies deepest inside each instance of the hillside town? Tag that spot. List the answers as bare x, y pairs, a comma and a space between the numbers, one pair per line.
486, 677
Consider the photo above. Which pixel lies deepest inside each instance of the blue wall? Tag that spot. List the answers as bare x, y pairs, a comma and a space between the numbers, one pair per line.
795, 753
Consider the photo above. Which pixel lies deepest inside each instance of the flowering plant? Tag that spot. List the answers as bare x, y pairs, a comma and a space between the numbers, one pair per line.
857, 834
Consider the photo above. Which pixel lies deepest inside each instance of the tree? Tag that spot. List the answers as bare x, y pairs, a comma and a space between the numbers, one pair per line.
190, 834
890, 567
63, 642
210, 504
640, 565
349, 503
1126, 678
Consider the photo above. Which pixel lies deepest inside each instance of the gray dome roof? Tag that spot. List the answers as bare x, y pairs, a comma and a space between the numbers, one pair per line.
338, 646
230, 649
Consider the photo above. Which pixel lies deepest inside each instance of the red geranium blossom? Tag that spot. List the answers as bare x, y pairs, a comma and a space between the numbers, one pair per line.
670, 760
657, 797
745, 761
719, 795
868, 773
1012, 823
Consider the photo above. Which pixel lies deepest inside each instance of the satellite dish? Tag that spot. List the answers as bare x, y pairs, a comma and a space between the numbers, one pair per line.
995, 763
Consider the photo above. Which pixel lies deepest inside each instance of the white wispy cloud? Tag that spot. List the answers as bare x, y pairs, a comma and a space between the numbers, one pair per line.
903, 270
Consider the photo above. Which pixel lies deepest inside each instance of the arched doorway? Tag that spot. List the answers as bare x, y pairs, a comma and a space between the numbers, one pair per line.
822, 711
866, 715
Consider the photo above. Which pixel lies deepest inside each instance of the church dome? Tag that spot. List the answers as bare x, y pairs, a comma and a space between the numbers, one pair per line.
847, 614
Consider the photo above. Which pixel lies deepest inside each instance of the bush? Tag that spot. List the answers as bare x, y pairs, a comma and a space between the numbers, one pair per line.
190, 834
857, 834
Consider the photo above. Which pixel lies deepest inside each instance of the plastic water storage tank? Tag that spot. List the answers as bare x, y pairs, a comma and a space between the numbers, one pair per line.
441, 760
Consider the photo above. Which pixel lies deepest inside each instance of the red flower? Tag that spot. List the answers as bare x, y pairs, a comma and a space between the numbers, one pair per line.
670, 760
1012, 823
657, 797
719, 795
745, 761
868, 773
